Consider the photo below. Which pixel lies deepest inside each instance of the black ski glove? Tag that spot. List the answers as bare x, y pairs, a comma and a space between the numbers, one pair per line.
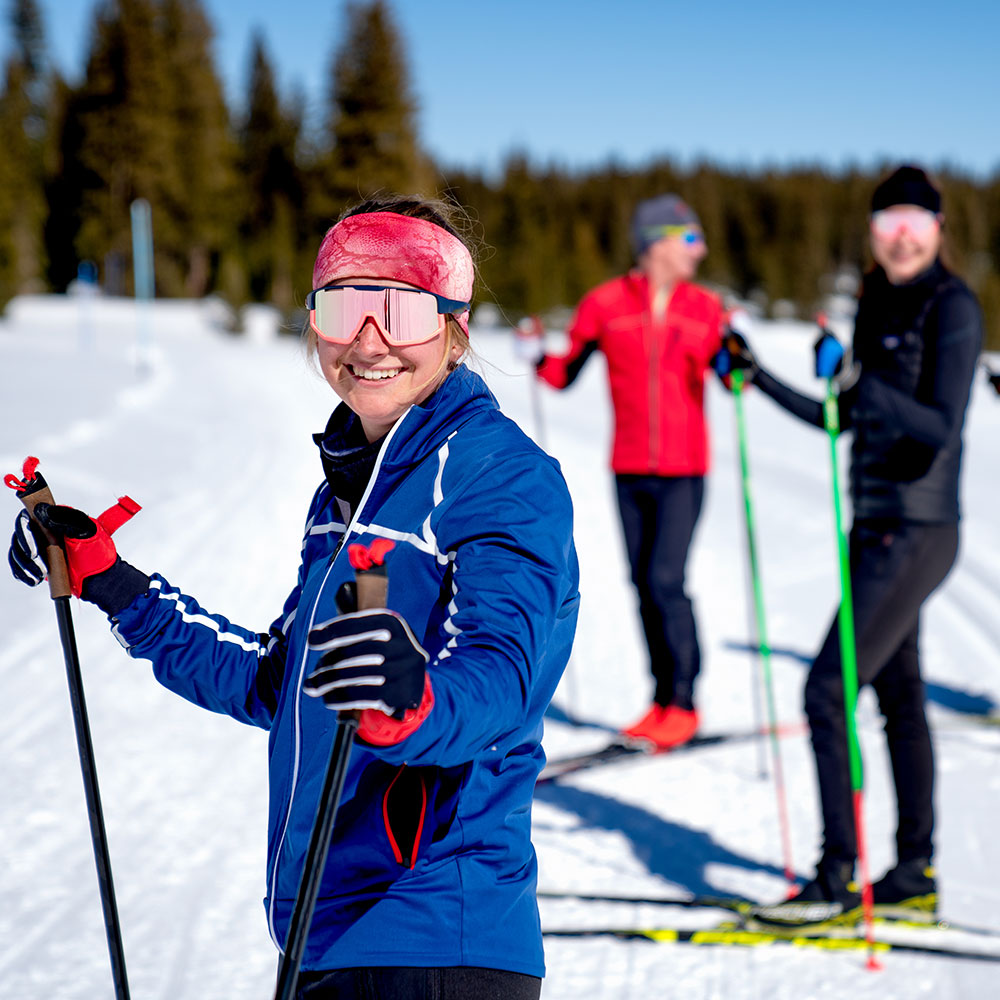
373, 660
97, 573
735, 355
25, 552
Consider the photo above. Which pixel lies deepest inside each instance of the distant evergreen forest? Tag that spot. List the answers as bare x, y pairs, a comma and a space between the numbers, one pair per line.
241, 199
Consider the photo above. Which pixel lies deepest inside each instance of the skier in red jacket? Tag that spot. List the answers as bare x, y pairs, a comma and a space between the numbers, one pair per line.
659, 333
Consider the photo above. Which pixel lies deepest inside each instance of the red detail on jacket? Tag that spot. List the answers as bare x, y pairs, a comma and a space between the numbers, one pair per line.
410, 858
656, 371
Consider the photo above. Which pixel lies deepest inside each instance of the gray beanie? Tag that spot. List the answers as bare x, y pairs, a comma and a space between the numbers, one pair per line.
654, 213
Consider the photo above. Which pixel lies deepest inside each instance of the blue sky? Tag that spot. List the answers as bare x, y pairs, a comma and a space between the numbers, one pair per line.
576, 82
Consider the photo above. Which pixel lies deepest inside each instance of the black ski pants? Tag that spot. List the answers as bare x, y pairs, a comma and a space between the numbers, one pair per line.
658, 516
406, 983
895, 566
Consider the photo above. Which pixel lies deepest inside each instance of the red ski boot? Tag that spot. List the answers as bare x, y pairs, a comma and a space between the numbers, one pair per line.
665, 727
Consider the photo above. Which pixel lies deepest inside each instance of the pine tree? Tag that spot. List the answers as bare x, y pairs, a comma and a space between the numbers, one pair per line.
23, 123
122, 144
150, 121
272, 186
203, 150
62, 187
372, 124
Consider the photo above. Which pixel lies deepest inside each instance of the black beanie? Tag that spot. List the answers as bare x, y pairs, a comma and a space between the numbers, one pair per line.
907, 186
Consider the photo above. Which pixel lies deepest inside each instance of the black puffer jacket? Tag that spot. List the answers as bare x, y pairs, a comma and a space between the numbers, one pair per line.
917, 345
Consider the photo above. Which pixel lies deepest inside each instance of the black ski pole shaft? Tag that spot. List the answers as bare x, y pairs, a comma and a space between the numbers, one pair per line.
88, 765
315, 860
37, 491
372, 584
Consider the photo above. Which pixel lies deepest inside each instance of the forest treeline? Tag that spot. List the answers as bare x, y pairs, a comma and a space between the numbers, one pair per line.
241, 196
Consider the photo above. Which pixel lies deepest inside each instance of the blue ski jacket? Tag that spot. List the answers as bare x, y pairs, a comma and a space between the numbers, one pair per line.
431, 862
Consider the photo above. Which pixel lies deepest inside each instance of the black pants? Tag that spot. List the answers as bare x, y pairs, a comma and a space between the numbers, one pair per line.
894, 568
404, 983
658, 517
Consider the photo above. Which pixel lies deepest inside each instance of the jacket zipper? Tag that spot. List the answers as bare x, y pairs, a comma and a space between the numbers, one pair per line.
654, 386
297, 732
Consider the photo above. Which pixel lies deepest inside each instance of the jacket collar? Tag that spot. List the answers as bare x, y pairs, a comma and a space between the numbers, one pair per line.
421, 430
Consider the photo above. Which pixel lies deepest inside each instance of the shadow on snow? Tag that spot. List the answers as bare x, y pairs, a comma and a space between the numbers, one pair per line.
554, 713
672, 852
951, 698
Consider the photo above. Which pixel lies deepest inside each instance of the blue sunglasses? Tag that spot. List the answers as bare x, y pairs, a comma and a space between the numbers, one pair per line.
689, 235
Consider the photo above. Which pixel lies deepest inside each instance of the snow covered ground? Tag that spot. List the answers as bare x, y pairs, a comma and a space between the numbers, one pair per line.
210, 432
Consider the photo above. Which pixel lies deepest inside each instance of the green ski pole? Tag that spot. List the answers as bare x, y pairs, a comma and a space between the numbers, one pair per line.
848, 658
736, 384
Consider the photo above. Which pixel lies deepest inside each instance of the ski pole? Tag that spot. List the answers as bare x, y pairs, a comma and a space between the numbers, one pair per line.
723, 368
753, 629
528, 346
31, 491
372, 588
763, 646
826, 368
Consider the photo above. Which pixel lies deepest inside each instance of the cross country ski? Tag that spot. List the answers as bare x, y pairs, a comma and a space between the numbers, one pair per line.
618, 748
945, 943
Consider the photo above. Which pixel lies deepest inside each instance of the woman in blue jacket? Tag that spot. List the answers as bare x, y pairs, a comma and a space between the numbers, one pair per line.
430, 888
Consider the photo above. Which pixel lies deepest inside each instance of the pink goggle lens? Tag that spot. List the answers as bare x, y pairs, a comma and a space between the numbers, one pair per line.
888, 223
402, 315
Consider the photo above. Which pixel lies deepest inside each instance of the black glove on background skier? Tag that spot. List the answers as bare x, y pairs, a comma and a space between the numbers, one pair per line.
735, 355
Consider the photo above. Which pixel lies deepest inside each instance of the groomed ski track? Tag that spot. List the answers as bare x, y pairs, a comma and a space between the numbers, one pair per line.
214, 440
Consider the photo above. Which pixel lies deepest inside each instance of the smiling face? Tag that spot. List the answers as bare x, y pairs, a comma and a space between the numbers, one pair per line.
380, 382
905, 240
673, 259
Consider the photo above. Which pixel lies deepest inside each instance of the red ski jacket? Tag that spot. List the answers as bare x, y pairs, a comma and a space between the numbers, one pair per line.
656, 370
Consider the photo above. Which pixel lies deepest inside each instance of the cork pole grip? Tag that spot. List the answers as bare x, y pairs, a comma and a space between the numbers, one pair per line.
55, 558
373, 588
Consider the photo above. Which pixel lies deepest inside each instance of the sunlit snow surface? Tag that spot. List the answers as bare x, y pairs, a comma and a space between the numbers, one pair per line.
211, 433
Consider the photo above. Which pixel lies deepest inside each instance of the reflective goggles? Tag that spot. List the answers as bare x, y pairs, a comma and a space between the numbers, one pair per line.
403, 316
690, 235
890, 222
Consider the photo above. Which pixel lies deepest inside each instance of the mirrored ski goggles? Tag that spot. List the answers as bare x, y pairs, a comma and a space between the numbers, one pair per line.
690, 235
890, 222
403, 316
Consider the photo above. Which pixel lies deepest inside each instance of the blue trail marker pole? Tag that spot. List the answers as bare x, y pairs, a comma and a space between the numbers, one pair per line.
142, 271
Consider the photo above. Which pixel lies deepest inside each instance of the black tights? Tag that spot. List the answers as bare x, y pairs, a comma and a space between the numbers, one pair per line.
894, 568
659, 514
405, 983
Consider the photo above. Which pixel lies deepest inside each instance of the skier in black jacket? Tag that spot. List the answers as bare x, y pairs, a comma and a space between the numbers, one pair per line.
917, 338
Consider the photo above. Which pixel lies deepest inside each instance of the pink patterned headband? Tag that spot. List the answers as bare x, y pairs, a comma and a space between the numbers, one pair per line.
398, 247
